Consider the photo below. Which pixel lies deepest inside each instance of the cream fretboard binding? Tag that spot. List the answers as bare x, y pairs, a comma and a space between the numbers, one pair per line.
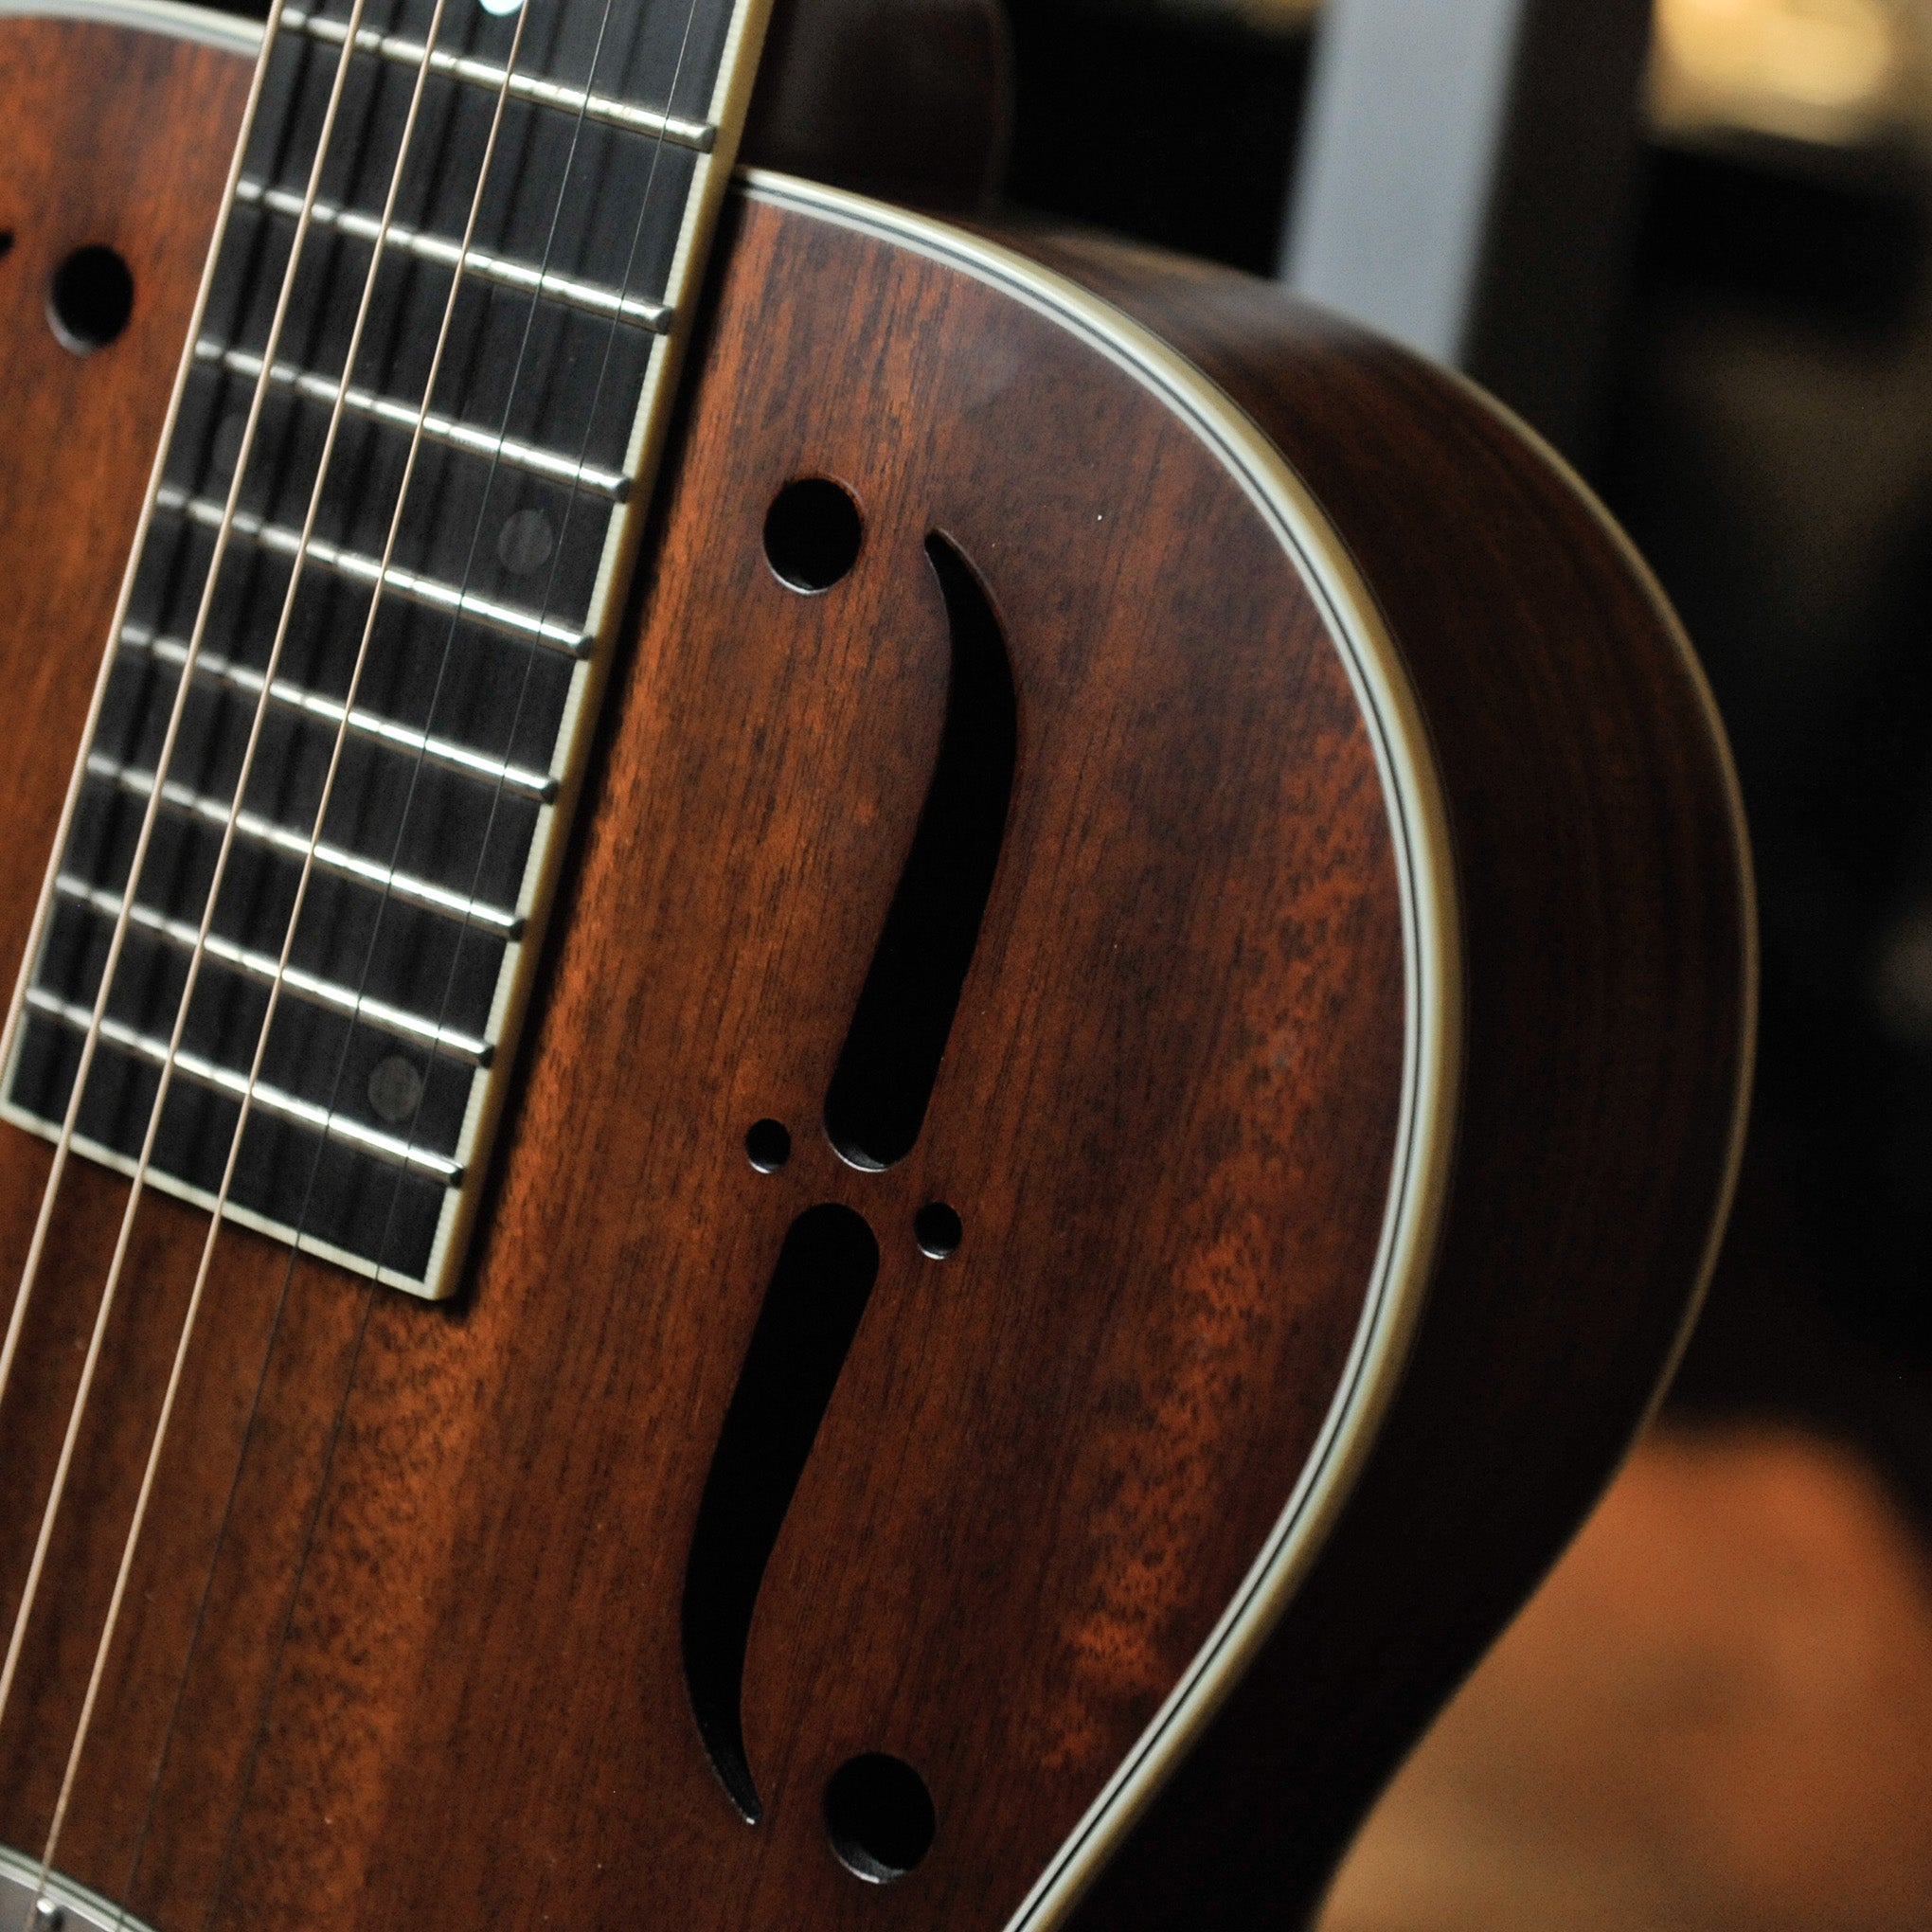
372, 1117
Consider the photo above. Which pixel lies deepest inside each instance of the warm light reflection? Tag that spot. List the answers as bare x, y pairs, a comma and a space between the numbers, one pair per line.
1826, 70
1834, 71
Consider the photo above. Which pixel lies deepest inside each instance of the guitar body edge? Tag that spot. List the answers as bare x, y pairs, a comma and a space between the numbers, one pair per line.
1602, 865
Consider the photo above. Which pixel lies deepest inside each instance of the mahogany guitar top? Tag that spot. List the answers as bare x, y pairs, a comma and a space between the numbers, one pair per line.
453, 1616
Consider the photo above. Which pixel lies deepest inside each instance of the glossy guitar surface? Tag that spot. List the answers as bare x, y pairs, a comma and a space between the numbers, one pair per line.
1133, 1080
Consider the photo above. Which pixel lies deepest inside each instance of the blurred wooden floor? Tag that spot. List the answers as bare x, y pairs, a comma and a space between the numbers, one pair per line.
1716, 1716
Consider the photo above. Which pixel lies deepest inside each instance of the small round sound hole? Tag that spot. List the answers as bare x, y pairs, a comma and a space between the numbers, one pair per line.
5, 242
768, 1145
937, 1230
812, 534
91, 299
879, 1816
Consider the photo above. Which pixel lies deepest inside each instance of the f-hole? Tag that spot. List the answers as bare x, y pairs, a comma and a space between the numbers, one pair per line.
879, 1094
812, 1309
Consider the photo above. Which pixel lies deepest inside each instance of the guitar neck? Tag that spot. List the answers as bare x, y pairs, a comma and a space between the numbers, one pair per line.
314, 829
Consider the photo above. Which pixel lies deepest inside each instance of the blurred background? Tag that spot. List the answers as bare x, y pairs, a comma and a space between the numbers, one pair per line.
1702, 265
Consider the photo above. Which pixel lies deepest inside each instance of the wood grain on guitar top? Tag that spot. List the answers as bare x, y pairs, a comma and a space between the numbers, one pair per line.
1610, 972
1166, 1149
404, 1640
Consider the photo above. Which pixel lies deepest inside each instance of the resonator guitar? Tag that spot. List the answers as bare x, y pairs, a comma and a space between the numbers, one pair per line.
860, 1064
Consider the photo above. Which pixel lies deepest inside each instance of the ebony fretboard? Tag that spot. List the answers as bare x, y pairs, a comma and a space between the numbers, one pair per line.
371, 1111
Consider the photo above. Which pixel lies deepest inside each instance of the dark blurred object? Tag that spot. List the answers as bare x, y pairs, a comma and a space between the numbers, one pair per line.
1836, 238
911, 99
1771, 451
1542, 324
1174, 125
1465, 183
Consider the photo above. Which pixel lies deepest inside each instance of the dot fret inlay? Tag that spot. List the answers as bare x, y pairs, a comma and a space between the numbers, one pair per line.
474, 519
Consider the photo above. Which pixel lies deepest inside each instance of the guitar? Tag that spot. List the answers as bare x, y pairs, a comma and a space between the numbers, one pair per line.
861, 1066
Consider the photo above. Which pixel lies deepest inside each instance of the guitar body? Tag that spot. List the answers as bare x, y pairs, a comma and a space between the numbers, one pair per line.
1342, 1075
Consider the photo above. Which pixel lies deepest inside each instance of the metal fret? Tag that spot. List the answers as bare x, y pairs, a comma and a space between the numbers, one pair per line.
330, 858
559, 333
263, 966
593, 297
698, 135
432, 591
444, 752
436, 429
270, 1100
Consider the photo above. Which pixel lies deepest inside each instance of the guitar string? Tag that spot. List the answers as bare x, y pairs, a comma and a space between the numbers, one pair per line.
405, 152
288, 1274
281, 634
350, 1382
218, 1216
265, 1022
37, 929
572, 499
150, 816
